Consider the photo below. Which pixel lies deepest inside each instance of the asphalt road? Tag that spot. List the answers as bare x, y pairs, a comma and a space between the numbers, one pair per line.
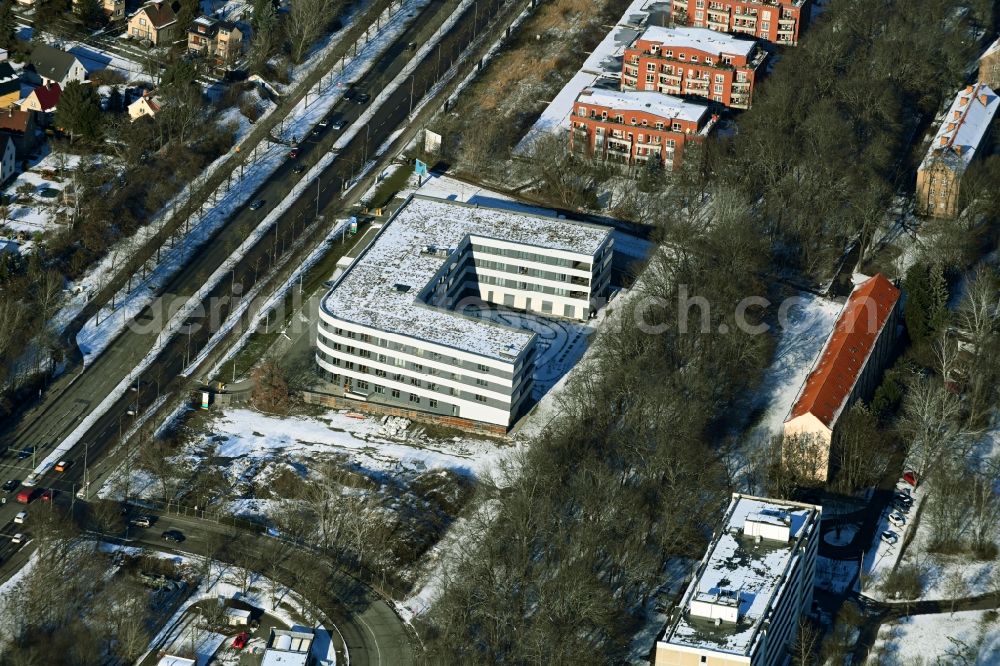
61, 411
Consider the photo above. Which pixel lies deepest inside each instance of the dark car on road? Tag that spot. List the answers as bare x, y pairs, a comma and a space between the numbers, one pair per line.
11, 486
174, 536
258, 204
299, 168
26, 452
362, 98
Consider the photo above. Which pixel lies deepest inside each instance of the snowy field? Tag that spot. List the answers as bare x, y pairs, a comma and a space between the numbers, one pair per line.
930, 640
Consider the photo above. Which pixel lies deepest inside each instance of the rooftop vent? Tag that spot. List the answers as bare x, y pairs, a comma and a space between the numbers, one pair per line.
719, 605
401, 288
770, 524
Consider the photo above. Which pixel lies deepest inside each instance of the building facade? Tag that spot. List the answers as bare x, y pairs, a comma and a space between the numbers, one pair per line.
414, 323
694, 61
989, 66
219, 40
156, 22
633, 127
748, 592
777, 21
847, 370
965, 128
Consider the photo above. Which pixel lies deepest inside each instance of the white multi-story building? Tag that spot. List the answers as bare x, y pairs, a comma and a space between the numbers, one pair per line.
755, 581
409, 324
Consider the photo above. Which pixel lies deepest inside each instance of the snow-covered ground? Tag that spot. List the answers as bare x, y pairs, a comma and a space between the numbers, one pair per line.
49, 177
930, 640
278, 601
602, 65
372, 443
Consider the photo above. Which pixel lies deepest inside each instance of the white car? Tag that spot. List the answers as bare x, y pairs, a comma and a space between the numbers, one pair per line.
18, 538
21, 517
897, 519
890, 537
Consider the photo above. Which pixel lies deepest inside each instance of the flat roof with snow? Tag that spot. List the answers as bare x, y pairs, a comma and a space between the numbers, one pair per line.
710, 41
660, 104
741, 575
381, 289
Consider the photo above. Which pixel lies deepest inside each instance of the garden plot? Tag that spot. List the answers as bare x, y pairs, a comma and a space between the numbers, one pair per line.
38, 197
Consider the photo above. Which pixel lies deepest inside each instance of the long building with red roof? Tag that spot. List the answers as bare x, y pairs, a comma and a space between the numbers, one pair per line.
847, 370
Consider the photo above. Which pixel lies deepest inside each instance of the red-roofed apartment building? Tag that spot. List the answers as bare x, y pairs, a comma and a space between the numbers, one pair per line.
848, 370
778, 21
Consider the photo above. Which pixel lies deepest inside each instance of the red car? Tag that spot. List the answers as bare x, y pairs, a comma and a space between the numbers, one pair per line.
240, 641
910, 478
47, 495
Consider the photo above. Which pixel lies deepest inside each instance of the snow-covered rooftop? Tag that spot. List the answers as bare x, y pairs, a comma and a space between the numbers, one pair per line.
660, 104
742, 571
964, 127
369, 293
993, 48
709, 41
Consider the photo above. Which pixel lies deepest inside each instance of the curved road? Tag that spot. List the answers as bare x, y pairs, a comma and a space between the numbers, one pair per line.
372, 631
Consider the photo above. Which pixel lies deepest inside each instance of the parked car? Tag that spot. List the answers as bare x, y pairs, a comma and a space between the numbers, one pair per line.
903, 509
910, 478
21, 517
317, 131
337, 126
63, 465
11, 486
141, 521
299, 168
20, 537
903, 497
897, 519
241, 640
175, 536
258, 204
350, 94
324, 122
890, 537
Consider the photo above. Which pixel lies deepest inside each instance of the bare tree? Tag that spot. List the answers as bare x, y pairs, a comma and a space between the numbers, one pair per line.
307, 21
270, 388
931, 421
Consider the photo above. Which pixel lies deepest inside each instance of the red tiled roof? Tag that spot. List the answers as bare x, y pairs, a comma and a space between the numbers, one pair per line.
854, 335
48, 96
14, 120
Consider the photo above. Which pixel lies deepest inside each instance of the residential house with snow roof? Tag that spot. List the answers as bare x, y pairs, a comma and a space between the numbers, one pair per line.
156, 22
744, 601
52, 65
427, 322
631, 126
221, 41
42, 101
989, 66
10, 85
963, 131
847, 370
694, 61
146, 106
113, 9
